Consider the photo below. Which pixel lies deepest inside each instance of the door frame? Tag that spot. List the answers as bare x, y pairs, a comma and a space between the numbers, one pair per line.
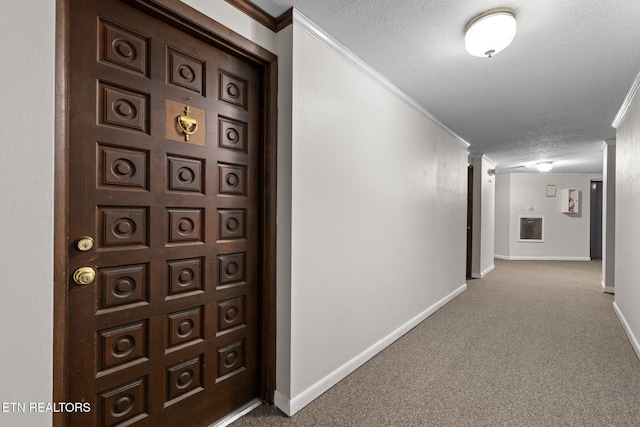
204, 28
469, 264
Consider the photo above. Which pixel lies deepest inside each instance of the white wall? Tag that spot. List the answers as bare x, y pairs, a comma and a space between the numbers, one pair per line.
283, 268
608, 216
566, 236
627, 286
378, 217
26, 209
231, 17
502, 225
484, 212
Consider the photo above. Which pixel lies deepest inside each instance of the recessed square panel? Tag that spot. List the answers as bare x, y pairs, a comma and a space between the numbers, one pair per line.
122, 344
124, 285
184, 326
231, 313
185, 225
232, 134
231, 178
184, 380
122, 108
185, 174
124, 405
185, 70
185, 276
123, 167
123, 48
231, 360
123, 226
233, 89
231, 268
231, 224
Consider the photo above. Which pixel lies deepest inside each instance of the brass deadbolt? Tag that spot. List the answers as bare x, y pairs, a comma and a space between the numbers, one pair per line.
84, 276
84, 244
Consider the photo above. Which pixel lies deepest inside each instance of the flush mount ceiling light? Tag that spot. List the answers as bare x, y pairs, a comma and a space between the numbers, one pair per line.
490, 32
544, 166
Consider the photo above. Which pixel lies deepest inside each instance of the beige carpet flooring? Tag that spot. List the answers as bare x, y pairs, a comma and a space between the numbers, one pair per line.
534, 343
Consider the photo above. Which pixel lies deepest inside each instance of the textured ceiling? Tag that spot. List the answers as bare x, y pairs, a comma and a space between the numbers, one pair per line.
551, 95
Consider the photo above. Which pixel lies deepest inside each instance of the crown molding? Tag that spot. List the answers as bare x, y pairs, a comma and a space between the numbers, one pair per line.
284, 20
262, 17
627, 102
312, 29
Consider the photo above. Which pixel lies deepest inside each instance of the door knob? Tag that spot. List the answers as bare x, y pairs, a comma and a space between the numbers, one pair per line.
84, 276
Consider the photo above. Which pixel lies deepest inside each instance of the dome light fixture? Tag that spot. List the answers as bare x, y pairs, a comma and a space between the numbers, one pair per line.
490, 32
544, 166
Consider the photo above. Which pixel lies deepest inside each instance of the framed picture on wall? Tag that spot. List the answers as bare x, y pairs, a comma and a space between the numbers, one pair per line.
551, 191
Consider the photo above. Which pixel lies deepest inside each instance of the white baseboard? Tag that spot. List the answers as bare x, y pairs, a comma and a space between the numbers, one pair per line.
484, 273
541, 258
291, 406
607, 289
627, 329
282, 402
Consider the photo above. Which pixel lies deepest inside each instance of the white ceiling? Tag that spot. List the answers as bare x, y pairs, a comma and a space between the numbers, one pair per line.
551, 95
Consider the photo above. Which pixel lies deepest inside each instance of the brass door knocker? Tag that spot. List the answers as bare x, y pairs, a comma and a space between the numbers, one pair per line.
187, 124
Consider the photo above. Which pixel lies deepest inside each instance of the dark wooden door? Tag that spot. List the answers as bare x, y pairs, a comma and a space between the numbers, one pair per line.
595, 226
167, 334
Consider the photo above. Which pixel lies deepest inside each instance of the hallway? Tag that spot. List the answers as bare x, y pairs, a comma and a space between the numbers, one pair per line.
533, 343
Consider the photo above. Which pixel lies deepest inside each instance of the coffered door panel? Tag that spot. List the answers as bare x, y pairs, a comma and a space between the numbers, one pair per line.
164, 179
